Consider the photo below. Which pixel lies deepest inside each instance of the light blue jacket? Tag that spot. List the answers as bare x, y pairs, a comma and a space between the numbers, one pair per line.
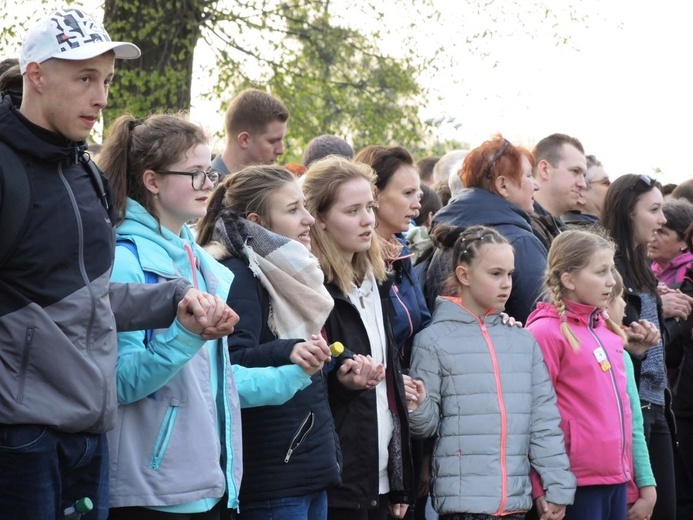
179, 404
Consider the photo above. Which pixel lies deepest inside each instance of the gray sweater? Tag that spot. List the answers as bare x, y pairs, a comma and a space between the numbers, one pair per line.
493, 407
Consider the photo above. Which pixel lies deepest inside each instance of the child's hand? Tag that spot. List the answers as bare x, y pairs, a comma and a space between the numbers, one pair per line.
414, 391
508, 320
643, 506
549, 510
360, 373
310, 355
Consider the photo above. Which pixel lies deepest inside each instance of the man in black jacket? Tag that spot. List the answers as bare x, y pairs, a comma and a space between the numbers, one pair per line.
58, 311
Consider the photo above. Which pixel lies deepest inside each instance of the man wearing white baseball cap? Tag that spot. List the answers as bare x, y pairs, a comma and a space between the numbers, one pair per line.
58, 311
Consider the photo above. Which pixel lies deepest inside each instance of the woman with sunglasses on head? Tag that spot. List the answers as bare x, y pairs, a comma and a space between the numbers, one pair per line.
500, 193
176, 449
633, 215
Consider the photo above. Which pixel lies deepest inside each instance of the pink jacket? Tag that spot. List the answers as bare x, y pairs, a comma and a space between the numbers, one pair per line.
591, 390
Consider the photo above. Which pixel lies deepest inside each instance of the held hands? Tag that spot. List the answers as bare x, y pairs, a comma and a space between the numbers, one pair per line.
398, 510
549, 510
414, 391
642, 335
310, 355
675, 304
207, 315
508, 320
360, 373
643, 506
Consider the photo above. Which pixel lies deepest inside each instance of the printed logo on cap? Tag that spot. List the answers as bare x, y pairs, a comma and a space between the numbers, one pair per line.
74, 29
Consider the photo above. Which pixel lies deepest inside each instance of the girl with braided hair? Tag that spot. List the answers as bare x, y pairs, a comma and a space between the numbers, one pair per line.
583, 351
489, 396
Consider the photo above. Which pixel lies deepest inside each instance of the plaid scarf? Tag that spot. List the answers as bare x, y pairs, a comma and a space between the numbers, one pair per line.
299, 302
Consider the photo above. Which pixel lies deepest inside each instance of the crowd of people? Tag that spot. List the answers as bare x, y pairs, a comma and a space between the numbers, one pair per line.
495, 333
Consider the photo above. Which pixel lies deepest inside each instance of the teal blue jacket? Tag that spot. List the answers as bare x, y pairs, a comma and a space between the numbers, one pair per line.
179, 397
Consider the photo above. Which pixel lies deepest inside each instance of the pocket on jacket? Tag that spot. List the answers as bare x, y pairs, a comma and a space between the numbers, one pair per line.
300, 435
23, 367
164, 435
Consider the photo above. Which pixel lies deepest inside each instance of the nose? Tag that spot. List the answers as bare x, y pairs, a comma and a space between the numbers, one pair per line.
611, 281
581, 181
101, 96
535, 184
308, 219
417, 204
368, 219
279, 150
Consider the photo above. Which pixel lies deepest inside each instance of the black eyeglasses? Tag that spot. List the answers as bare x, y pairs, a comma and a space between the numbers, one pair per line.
198, 177
496, 156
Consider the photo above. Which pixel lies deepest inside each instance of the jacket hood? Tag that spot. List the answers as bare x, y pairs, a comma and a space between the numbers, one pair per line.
574, 312
27, 138
450, 309
476, 206
163, 253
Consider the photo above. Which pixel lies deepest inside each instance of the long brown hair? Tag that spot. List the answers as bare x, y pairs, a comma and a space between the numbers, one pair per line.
321, 184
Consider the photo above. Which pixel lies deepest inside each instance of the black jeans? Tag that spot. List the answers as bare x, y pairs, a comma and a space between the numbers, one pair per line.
660, 447
684, 467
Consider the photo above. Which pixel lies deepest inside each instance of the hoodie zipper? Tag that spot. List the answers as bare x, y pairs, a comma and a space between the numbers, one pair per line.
593, 319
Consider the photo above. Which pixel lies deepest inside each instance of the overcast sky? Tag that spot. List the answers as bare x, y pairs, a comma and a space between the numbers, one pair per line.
620, 82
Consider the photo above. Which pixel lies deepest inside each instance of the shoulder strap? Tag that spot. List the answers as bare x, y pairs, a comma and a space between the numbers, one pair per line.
15, 201
149, 277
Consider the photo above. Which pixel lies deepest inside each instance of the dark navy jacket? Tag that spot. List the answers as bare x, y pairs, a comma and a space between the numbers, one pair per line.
288, 450
475, 206
411, 314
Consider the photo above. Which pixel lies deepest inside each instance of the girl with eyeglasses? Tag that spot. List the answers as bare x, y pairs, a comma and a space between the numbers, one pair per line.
176, 449
633, 215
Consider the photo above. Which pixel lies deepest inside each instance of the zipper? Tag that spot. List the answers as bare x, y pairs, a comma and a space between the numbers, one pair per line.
593, 320
501, 408
300, 435
25, 363
90, 290
406, 310
193, 263
164, 436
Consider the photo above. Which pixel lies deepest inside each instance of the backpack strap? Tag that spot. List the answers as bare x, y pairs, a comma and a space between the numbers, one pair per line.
15, 200
149, 277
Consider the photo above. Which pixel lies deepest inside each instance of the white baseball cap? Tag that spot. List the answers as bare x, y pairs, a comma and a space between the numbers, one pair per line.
70, 34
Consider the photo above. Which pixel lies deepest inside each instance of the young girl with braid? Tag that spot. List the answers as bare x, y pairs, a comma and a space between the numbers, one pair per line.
489, 397
583, 351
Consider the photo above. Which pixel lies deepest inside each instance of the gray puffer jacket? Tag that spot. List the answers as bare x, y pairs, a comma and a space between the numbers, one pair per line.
492, 405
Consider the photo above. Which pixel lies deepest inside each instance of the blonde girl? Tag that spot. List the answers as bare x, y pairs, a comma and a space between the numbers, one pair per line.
583, 351
371, 423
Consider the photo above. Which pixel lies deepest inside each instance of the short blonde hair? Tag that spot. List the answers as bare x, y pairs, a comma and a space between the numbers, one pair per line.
321, 184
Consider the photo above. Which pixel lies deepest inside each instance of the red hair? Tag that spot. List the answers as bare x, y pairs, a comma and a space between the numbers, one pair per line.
480, 170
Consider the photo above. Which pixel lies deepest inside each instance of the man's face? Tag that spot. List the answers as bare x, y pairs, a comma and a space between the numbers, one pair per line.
73, 94
266, 147
566, 179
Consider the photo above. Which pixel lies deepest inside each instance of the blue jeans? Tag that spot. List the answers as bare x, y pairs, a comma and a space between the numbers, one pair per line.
304, 507
43, 471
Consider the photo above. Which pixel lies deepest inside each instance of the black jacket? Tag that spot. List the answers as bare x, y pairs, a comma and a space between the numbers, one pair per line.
303, 424
355, 414
680, 360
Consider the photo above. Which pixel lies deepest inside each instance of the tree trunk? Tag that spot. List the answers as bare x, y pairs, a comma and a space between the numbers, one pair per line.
160, 80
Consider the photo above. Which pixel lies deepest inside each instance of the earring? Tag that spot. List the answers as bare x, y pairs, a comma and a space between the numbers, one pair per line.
156, 195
